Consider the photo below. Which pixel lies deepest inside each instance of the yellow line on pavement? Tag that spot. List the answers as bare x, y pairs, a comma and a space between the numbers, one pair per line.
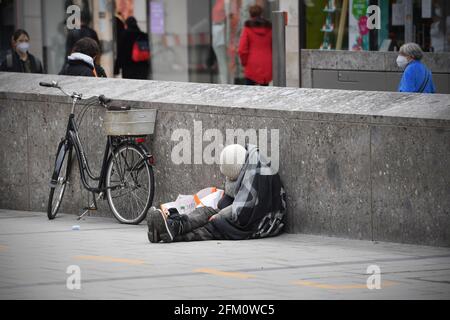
320, 285
238, 275
110, 259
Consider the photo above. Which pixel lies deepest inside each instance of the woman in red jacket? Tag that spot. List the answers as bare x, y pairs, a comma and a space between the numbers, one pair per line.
255, 48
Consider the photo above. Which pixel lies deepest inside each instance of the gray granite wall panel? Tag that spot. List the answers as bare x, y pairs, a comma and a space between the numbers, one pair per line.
411, 184
363, 165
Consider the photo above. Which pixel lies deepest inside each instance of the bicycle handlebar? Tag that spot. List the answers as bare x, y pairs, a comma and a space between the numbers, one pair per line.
118, 108
101, 99
53, 84
104, 101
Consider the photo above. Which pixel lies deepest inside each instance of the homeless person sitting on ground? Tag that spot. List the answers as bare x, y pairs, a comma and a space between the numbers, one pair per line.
253, 205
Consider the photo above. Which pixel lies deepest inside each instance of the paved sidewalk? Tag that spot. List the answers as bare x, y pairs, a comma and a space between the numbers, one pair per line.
118, 262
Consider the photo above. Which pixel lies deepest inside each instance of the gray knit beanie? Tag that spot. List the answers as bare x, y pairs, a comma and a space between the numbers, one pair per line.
232, 160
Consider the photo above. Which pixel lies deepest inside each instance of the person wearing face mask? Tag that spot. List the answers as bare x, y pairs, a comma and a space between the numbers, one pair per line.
416, 76
254, 204
19, 59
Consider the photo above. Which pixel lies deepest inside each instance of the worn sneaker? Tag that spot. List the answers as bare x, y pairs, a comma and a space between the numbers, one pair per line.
166, 228
153, 234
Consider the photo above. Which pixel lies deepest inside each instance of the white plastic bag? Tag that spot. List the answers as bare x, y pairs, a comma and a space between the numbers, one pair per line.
185, 204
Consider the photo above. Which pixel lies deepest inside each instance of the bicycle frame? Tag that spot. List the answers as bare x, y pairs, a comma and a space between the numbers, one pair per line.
72, 140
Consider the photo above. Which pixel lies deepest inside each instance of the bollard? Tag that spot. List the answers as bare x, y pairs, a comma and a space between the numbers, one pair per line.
279, 48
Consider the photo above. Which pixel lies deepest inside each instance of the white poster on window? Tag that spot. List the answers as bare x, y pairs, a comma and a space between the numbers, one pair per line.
157, 17
358, 33
398, 14
426, 8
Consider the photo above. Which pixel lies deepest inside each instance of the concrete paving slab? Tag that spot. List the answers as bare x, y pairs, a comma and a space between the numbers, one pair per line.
117, 262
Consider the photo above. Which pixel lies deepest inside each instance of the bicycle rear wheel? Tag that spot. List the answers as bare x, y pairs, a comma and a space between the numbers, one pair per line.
130, 184
61, 177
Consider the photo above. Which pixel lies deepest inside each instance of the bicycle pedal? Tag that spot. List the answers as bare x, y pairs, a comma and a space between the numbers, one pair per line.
90, 208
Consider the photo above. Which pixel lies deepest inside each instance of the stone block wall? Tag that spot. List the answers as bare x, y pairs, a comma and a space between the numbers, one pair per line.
355, 164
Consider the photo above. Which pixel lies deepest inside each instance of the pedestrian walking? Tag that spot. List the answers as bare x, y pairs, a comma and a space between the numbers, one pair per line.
19, 59
255, 48
84, 31
133, 53
416, 76
119, 22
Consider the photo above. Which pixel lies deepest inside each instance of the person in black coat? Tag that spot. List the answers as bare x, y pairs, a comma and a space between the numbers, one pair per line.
76, 34
19, 59
119, 22
82, 60
131, 69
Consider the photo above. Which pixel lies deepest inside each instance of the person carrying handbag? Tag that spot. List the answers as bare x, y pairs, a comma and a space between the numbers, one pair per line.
416, 76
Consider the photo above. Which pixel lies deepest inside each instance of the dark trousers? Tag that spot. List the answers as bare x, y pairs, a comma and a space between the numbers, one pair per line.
135, 71
197, 227
250, 82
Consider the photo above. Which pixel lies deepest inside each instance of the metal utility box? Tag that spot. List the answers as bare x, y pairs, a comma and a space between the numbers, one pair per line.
369, 80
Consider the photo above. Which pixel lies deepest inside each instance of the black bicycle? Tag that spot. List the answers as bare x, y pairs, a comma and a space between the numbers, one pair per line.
126, 177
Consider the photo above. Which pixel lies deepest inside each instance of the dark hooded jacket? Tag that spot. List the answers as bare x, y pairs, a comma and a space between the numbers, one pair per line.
255, 50
78, 65
131, 69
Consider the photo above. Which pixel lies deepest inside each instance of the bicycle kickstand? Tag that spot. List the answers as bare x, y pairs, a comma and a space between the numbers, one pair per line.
92, 207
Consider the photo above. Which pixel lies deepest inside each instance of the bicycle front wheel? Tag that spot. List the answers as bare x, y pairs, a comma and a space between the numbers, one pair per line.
61, 175
130, 184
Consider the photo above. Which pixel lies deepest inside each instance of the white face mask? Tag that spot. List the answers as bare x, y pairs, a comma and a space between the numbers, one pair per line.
23, 47
402, 62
